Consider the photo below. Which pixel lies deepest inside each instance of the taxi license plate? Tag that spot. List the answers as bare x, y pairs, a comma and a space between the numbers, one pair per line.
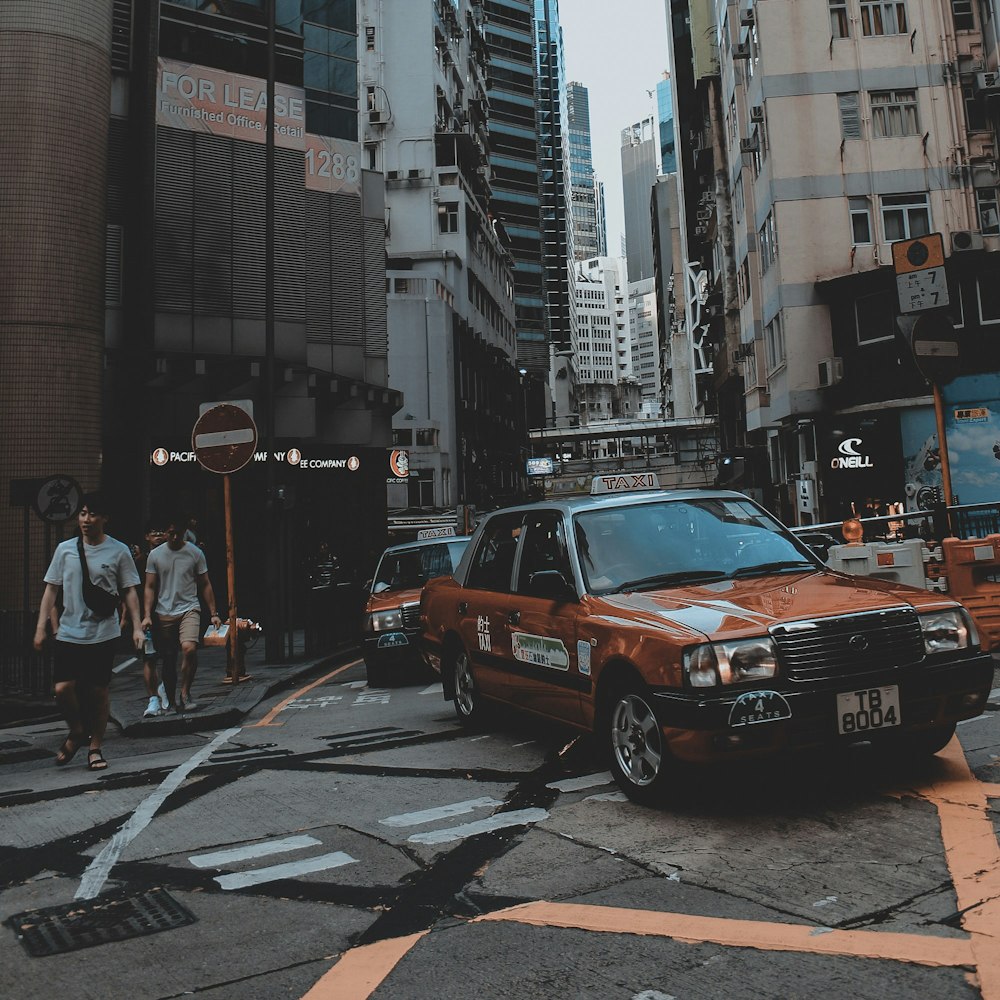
863, 711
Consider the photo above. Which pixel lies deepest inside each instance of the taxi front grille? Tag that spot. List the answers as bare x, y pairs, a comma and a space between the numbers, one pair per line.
853, 644
411, 616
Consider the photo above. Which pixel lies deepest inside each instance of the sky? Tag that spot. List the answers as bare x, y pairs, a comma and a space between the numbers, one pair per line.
617, 57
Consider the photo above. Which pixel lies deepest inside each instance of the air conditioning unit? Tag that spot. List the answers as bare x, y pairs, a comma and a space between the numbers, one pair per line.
747, 17
988, 83
751, 145
392, 175
741, 51
831, 371
966, 239
415, 174
375, 117
757, 113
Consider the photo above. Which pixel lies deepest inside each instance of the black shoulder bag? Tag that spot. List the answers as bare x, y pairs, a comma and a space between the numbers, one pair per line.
102, 602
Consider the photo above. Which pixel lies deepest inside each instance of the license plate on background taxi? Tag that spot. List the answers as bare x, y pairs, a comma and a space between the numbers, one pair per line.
872, 708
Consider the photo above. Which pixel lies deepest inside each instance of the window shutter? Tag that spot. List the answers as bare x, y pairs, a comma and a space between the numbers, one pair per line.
850, 119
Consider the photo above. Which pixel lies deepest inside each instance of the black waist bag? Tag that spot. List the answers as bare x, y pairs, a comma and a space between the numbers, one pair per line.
102, 602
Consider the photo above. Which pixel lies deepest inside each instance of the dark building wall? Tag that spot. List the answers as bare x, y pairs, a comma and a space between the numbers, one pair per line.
55, 80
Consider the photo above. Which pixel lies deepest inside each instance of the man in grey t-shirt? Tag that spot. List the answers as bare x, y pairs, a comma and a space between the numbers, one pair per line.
176, 575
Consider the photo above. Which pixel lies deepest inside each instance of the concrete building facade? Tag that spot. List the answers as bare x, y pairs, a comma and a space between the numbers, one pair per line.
588, 238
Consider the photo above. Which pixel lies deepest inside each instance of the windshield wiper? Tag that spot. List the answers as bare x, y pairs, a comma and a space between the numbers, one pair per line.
664, 579
772, 567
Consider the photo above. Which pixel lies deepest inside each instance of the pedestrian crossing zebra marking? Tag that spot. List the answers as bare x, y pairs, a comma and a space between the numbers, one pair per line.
440, 812
219, 858
499, 821
291, 869
581, 782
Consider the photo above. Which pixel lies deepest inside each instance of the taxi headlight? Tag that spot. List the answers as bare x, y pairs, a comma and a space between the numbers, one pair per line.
730, 662
387, 621
946, 631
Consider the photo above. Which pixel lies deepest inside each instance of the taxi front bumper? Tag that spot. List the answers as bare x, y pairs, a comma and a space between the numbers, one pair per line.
700, 726
392, 648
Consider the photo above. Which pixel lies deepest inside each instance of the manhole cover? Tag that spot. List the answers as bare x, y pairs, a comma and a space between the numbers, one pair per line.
84, 923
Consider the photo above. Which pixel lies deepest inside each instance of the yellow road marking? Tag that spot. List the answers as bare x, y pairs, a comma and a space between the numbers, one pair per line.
971, 852
268, 719
359, 972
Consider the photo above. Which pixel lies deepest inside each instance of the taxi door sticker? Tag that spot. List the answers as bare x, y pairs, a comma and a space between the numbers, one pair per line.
540, 650
753, 707
583, 656
483, 631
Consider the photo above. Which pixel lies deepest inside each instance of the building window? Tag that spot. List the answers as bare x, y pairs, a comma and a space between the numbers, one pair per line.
448, 216
975, 110
428, 437
850, 118
988, 291
774, 343
961, 11
767, 239
402, 436
840, 23
861, 220
894, 112
905, 216
883, 18
989, 219
876, 317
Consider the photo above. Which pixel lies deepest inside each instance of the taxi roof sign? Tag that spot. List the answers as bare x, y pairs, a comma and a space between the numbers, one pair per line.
445, 531
624, 482
918, 254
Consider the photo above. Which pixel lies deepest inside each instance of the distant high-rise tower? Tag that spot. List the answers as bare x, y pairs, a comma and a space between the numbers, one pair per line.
639, 157
665, 116
588, 236
557, 231
514, 169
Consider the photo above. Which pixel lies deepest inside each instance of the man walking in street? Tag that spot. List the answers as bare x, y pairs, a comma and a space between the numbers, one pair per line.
176, 575
88, 629
156, 690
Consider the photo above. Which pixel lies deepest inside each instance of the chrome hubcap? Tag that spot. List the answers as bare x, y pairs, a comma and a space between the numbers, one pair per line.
635, 740
463, 685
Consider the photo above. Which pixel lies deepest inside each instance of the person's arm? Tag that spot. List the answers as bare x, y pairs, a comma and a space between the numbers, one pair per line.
45, 613
208, 596
149, 598
132, 603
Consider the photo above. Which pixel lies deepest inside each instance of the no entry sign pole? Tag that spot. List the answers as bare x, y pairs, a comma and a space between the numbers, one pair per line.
224, 440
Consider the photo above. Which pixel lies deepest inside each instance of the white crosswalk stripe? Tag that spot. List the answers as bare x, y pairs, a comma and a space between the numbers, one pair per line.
584, 781
292, 869
440, 812
499, 821
219, 858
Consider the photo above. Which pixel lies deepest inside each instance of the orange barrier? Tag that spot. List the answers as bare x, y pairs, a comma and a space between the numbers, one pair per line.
972, 567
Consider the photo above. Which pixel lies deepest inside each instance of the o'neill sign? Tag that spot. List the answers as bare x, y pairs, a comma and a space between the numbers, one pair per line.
850, 457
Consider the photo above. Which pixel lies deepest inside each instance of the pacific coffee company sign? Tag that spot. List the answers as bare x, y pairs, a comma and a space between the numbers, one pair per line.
850, 457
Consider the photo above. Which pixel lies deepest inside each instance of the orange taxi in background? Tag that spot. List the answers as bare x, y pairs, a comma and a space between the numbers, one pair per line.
391, 624
691, 626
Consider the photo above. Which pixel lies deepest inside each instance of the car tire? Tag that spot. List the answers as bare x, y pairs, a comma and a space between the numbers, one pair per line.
468, 702
930, 741
637, 754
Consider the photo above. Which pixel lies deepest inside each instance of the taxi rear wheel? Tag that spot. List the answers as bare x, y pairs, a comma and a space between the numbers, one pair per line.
639, 759
468, 702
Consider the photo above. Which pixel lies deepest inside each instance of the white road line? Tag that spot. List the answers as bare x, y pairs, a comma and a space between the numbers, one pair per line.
978, 718
994, 695
441, 812
607, 797
585, 781
528, 744
433, 689
240, 880
219, 858
476, 739
98, 870
519, 817
354, 685
125, 664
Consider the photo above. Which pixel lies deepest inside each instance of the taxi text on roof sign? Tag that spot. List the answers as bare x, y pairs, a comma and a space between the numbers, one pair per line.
623, 482
446, 531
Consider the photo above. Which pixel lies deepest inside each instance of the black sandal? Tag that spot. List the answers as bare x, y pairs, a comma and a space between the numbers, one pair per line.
68, 750
95, 760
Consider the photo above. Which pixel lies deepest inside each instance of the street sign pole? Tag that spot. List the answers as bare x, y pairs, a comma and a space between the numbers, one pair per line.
943, 450
234, 665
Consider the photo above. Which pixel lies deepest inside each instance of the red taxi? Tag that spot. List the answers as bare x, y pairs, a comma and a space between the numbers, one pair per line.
691, 626
392, 613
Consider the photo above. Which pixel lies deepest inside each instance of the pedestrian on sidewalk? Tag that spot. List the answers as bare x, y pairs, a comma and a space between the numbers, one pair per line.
176, 575
96, 573
160, 693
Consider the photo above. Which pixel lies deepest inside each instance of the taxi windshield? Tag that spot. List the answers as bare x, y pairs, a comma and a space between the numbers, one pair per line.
653, 545
410, 569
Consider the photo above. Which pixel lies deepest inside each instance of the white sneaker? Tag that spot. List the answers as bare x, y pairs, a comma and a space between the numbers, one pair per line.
162, 692
153, 708
187, 706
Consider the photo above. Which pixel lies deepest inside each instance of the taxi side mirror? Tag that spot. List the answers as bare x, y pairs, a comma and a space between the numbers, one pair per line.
551, 584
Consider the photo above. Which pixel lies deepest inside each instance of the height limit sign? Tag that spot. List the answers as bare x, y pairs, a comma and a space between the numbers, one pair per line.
920, 277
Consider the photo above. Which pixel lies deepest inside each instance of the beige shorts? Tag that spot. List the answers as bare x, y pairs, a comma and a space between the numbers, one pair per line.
174, 631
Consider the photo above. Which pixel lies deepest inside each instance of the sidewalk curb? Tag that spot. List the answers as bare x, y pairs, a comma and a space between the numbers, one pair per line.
233, 704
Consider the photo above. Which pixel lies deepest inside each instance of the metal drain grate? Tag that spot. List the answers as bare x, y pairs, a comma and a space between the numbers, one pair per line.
84, 923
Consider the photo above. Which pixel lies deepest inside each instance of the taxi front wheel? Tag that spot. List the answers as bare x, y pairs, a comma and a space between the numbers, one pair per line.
639, 759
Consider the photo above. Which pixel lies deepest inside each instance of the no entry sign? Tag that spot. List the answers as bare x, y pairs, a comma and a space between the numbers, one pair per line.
224, 438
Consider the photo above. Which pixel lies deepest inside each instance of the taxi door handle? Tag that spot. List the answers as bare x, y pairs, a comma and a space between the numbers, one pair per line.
463, 606
514, 617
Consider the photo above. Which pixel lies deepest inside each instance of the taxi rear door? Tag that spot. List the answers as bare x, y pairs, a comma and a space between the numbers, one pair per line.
546, 674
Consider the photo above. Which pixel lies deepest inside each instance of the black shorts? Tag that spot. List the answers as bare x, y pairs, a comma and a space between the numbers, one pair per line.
88, 663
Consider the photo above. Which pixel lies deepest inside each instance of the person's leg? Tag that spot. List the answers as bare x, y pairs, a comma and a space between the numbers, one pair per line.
165, 638
65, 673
101, 658
149, 676
169, 670
189, 666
